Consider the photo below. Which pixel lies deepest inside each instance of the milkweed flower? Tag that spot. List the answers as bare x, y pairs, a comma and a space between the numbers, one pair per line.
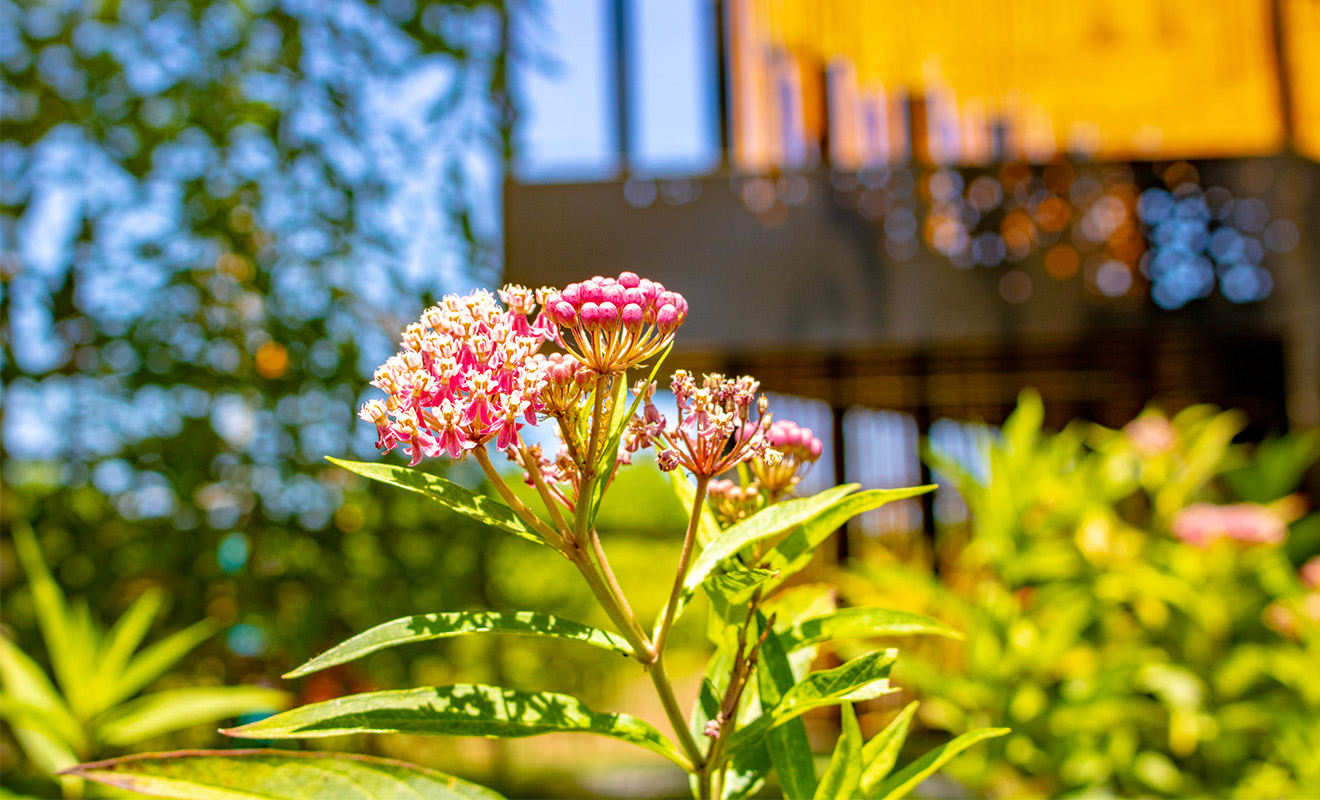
612, 324
733, 503
467, 374
1203, 524
715, 431
799, 449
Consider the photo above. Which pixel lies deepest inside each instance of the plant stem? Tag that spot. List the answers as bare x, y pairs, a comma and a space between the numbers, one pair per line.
612, 584
689, 540
675, 714
627, 624
519, 507
551, 505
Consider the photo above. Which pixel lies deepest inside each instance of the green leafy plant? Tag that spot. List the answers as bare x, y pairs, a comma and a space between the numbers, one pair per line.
99, 674
469, 375
1134, 606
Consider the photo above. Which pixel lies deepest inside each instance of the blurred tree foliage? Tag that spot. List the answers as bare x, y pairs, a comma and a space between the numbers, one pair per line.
215, 217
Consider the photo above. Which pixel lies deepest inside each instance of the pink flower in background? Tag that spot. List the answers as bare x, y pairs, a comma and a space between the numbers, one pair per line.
467, 374
613, 324
1310, 573
799, 449
731, 502
1203, 524
1151, 434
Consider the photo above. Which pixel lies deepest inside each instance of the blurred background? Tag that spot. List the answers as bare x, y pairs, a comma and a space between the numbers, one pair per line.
216, 217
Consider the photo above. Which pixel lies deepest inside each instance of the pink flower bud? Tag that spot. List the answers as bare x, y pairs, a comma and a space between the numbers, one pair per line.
572, 293
629, 280
591, 292
632, 316
564, 314
666, 319
608, 315
613, 294
633, 296
590, 313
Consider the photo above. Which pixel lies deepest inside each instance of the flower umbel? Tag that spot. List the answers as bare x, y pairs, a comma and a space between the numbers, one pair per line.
466, 375
799, 448
715, 430
613, 324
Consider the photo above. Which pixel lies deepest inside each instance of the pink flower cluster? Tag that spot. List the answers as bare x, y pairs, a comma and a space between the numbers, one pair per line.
614, 324
799, 449
1203, 524
467, 374
1151, 434
715, 430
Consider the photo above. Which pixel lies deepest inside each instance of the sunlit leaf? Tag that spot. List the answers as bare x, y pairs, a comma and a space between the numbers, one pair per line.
908, 778
787, 745
458, 710
157, 659
881, 753
862, 678
425, 627
168, 711
861, 623
276, 775
26, 683
126, 635
52, 611
796, 550
447, 493
844, 772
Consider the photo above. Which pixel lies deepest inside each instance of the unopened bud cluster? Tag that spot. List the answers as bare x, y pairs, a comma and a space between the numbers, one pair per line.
799, 449
612, 324
733, 503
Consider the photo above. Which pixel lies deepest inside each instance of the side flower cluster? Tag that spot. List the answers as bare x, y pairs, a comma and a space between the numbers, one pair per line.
799, 449
467, 374
1203, 524
715, 431
614, 324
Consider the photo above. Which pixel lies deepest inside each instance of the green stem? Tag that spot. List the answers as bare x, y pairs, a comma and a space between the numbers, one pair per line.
675, 714
624, 621
551, 505
689, 540
519, 507
611, 583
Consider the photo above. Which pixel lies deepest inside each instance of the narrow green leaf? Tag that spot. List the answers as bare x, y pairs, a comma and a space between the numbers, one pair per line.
796, 550
908, 778
165, 712
18, 710
458, 710
735, 588
842, 776
787, 744
863, 623
276, 775
707, 527
862, 678
25, 681
425, 627
44, 747
157, 659
881, 753
52, 618
766, 523
446, 493
126, 636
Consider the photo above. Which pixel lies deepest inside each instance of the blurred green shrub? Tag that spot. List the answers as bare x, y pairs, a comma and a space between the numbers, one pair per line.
1134, 610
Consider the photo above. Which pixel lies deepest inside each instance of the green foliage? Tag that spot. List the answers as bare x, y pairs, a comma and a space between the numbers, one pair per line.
97, 671
1125, 659
277, 775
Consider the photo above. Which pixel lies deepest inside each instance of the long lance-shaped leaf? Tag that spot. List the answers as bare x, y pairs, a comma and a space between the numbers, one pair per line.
907, 779
862, 678
772, 521
446, 493
881, 753
156, 660
862, 623
276, 775
458, 710
54, 620
788, 745
176, 709
844, 773
796, 550
25, 682
425, 627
